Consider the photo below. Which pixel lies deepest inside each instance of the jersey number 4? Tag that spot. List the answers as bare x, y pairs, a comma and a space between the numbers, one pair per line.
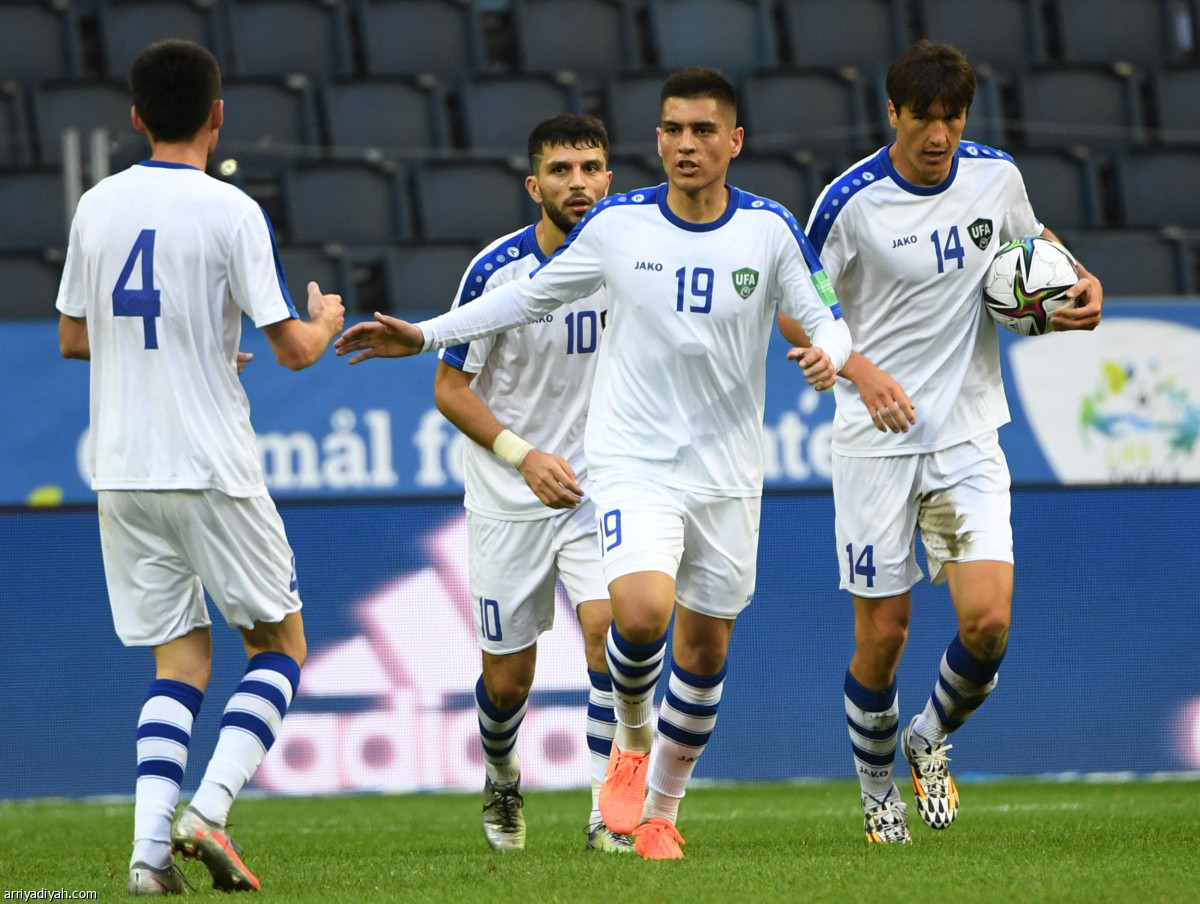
143, 302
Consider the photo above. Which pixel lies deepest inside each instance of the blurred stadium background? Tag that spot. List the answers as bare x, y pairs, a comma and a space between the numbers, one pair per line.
385, 138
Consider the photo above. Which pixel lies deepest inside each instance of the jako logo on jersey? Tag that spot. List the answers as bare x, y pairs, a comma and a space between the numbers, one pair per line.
904, 240
980, 232
745, 281
647, 265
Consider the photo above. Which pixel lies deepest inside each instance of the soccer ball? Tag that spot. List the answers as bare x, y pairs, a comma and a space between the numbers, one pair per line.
1026, 282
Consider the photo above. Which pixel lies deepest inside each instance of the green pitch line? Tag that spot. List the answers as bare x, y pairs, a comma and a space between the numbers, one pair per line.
1013, 841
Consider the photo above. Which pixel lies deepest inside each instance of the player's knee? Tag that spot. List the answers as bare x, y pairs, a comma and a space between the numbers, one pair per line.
884, 643
507, 690
643, 626
985, 636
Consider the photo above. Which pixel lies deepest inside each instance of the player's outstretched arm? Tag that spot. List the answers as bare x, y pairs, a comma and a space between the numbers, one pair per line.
1088, 293
298, 343
550, 477
384, 337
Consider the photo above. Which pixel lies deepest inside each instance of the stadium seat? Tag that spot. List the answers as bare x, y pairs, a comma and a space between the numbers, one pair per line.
126, 27
470, 201
633, 113
424, 279
778, 177
734, 36
281, 37
1175, 94
30, 287
413, 37
632, 171
866, 34
268, 122
87, 106
1160, 188
350, 203
817, 111
389, 116
592, 38
499, 113
1110, 31
32, 212
39, 41
325, 265
1002, 34
1093, 106
1062, 188
14, 134
1133, 263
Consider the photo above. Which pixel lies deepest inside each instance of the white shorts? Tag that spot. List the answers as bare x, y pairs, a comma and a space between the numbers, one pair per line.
163, 548
957, 497
512, 568
707, 544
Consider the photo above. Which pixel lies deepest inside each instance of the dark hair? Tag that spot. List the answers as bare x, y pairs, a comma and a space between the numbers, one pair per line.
925, 73
566, 130
174, 85
700, 81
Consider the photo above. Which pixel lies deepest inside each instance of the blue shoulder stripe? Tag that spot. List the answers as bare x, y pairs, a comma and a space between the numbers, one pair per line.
491, 260
840, 191
973, 149
634, 198
283, 289
747, 201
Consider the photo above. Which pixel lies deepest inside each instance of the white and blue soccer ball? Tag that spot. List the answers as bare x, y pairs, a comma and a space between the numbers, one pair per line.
1026, 282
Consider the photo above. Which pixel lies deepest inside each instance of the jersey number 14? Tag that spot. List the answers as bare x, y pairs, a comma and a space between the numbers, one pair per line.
143, 302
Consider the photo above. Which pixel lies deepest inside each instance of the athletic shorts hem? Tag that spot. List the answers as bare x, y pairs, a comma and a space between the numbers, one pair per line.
634, 562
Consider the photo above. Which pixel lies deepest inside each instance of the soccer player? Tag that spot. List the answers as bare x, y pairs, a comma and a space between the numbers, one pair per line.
162, 262
695, 271
528, 515
906, 235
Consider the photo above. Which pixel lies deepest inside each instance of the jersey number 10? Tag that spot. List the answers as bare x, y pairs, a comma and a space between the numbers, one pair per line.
143, 302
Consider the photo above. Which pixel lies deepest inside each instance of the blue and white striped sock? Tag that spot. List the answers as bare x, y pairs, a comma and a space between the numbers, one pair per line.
498, 732
601, 727
251, 721
634, 668
873, 718
964, 682
685, 723
163, 734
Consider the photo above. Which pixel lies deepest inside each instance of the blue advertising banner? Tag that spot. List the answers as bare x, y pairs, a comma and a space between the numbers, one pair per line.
1100, 674
1120, 405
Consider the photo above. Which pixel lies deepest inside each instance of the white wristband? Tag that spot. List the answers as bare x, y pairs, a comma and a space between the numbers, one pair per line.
511, 448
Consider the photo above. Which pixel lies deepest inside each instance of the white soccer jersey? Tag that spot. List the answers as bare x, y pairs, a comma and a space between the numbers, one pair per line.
163, 260
681, 381
907, 262
536, 379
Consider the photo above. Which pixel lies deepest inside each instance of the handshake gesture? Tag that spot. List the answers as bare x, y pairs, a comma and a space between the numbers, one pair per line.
386, 337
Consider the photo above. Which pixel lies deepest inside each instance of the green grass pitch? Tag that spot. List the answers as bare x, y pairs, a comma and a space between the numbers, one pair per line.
1013, 841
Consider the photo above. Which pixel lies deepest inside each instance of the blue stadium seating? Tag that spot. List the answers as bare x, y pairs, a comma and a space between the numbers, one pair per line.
414, 37
32, 210
39, 41
424, 279
86, 106
1160, 188
14, 129
389, 115
349, 203
1080, 105
778, 177
126, 27
632, 171
734, 36
1110, 31
817, 111
866, 34
30, 287
470, 200
1062, 188
268, 122
499, 113
1134, 262
1176, 92
1003, 34
633, 112
326, 265
280, 37
592, 38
